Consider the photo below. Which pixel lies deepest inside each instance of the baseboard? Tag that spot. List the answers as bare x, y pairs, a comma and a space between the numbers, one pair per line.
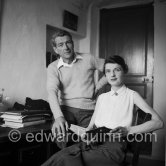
145, 160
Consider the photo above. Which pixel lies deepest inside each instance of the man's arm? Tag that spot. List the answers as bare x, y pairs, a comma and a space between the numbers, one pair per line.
53, 84
101, 83
98, 64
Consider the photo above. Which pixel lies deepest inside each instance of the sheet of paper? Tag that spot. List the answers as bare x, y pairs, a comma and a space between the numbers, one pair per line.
78, 129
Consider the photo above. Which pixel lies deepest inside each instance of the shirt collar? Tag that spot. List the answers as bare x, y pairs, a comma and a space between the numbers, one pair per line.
61, 63
119, 91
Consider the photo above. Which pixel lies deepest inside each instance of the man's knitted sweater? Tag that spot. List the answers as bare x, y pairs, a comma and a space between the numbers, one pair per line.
75, 83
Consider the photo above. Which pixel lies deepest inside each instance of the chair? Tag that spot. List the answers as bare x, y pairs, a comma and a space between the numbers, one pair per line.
136, 147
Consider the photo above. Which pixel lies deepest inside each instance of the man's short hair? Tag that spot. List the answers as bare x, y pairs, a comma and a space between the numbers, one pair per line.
59, 33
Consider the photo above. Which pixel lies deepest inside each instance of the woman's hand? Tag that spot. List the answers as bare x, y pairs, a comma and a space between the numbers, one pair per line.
119, 132
91, 127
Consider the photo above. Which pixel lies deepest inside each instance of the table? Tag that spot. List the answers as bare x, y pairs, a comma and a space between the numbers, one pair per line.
30, 145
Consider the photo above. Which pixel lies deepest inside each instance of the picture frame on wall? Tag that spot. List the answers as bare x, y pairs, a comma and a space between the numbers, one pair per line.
70, 20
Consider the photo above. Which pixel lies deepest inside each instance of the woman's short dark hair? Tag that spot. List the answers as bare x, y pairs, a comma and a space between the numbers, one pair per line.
59, 33
117, 59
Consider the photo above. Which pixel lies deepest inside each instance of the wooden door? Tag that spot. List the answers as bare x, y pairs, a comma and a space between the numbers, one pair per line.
128, 32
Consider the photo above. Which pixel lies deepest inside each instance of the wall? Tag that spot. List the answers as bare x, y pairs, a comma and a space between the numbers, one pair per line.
159, 74
23, 44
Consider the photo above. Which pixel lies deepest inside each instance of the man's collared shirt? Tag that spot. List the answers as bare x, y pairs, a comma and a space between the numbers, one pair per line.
61, 63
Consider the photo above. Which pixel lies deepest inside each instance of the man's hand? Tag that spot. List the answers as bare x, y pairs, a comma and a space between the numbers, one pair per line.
96, 94
60, 126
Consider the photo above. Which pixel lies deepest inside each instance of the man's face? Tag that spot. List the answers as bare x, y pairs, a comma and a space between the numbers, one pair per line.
65, 48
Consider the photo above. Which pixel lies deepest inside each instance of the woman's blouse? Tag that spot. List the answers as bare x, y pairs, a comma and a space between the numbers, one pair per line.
115, 109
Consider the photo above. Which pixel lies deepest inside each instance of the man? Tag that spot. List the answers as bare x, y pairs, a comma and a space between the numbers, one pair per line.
73, 76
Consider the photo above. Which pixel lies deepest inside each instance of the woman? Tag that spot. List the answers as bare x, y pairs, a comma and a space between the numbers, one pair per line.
114, 110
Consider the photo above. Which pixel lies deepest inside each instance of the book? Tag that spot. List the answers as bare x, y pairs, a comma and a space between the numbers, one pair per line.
99, 130
26, 112
81, 131
24, 117
77, 129
25, 124
14, 117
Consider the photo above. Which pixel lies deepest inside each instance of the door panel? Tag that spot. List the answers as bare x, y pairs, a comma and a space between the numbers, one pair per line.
128, 32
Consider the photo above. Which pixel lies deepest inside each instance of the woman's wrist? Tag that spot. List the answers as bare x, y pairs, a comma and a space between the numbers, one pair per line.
89, 128
128, 130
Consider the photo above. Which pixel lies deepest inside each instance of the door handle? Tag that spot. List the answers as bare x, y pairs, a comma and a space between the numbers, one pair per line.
149, 79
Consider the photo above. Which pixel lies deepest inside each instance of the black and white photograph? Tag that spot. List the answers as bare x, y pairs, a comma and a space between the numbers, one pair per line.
82, 82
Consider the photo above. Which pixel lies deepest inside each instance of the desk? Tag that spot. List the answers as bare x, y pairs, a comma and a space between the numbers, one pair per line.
26, 146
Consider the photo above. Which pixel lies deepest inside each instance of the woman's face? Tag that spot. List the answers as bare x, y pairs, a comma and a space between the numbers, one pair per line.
114, 74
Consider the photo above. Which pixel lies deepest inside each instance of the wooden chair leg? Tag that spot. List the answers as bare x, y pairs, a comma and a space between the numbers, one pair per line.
135, 159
